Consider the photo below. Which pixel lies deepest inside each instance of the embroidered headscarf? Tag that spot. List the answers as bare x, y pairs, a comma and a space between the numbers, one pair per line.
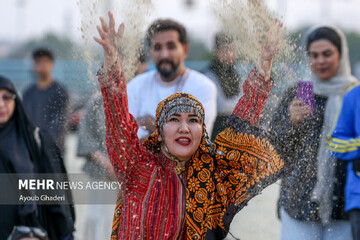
334, 89
176, 103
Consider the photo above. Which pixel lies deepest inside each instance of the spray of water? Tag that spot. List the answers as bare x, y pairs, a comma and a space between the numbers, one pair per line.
132, 13
89, 19
247, 22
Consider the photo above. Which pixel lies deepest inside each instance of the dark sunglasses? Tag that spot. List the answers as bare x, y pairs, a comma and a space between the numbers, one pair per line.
20, 232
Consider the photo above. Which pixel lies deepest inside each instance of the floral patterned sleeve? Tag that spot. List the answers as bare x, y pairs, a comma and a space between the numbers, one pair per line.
124, 147
245, 156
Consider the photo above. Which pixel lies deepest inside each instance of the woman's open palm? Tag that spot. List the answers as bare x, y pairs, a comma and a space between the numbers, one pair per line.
110, 39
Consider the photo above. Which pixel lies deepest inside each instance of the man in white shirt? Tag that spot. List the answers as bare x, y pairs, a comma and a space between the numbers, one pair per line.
168, 49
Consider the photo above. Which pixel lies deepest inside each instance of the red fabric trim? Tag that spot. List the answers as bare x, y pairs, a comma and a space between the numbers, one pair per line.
256, 92
151, 188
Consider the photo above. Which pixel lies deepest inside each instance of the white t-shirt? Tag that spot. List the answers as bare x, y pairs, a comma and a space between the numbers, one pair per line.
146, 90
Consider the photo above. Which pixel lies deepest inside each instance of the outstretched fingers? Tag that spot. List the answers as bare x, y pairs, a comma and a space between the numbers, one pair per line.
111, 21
104, 25
275, 29
274, 37
110, 39
121, 31
100, 41
101, 32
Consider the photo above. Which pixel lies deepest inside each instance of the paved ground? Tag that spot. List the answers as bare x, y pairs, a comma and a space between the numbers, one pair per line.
73, 165
256, 221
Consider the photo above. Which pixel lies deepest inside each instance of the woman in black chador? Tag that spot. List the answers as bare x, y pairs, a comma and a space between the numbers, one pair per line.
25, 149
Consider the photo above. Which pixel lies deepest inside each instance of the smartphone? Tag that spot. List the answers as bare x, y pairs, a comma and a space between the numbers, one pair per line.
305, 92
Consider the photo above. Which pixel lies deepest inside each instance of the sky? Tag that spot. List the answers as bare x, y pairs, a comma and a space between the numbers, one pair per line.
25, 19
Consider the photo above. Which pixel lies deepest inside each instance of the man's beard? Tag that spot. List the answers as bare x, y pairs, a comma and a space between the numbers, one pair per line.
165, 73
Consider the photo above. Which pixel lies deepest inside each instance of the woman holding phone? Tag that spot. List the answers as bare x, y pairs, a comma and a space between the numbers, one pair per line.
311, 203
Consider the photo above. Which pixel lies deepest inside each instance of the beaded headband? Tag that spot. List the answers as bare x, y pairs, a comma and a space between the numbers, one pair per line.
176, 103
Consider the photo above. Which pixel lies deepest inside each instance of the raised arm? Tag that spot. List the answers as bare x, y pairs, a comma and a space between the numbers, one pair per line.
258, 84
123, 145
248, 158
270, 48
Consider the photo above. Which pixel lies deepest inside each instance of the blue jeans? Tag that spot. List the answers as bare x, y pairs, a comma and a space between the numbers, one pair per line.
292, 229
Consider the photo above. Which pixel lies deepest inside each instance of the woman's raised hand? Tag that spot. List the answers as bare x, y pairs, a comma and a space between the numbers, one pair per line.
110, 39
272, 42
270, 47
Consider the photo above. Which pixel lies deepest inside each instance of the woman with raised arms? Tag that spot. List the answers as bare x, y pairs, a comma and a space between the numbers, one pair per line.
179, 185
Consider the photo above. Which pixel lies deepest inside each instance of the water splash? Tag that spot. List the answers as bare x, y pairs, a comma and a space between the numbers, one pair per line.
133, 13
89, 19
247, 21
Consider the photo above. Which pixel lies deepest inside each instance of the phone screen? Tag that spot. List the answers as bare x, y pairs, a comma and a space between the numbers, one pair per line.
305, 93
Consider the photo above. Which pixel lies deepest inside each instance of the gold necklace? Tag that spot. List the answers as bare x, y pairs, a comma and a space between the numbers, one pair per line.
179, 168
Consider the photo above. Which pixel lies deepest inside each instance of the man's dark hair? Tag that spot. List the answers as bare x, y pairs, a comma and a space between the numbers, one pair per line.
163, 25
326, 34
42, 52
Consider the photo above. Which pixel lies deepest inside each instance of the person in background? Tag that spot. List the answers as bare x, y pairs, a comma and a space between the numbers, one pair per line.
46, 102
311, 200
25, 149
344, 142
222, 71
168, 49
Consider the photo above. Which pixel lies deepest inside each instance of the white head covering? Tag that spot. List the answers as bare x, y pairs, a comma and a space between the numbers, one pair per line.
343, 78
